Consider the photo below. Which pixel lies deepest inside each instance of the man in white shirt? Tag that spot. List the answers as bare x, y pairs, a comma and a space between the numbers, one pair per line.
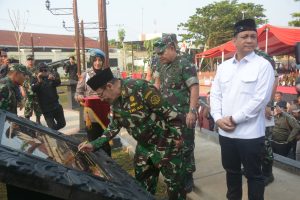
240, 92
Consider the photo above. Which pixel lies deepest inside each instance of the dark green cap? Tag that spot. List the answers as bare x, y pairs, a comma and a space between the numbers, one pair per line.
166, 40
19, 68
29, 57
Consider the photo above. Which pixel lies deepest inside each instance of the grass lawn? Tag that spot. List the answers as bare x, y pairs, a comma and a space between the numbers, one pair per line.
126, 162
3, 195
62, 93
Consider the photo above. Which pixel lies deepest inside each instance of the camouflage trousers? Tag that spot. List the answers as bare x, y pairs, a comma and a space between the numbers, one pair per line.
31, 104
267, 156
148, 163
188, 149
268, 151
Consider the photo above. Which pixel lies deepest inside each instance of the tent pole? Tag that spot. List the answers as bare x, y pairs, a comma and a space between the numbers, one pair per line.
201, 61
267, 36
222, 56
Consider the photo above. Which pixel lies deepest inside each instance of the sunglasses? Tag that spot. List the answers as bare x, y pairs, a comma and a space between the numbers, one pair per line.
43, 70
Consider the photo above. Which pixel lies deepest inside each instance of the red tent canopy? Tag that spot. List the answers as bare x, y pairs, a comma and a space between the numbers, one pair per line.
228, 48
286, 90
279, 40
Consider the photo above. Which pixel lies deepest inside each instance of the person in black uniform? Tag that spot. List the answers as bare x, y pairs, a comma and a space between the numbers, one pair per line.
44, 85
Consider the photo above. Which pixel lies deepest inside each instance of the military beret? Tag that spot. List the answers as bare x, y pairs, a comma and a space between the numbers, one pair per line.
29, 57
244, 25
100, 79
19, 68
166, 40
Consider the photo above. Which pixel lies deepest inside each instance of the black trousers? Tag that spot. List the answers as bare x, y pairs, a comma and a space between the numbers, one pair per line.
281, 149
56, 118
249, 153
96, 131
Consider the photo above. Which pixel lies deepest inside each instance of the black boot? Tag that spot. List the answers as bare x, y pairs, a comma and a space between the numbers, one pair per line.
267, 173
189, 183
269, 179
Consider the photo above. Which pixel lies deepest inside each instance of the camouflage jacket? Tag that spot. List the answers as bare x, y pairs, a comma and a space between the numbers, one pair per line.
141, 110
3, 71
8, 95
83, 89
175, 79
27, 83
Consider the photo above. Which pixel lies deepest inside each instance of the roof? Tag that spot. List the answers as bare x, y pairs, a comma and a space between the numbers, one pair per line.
7, 39
280, 41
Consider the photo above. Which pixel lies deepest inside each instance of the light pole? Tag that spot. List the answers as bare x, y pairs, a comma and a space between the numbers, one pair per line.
75, 16
58, 11
82, 36
243, 14
69, 11
103, 29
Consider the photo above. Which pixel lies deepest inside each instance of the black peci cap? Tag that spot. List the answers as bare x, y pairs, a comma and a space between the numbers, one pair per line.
100, 79
244, 25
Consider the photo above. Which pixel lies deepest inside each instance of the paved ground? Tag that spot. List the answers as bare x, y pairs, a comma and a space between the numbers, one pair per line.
210, 177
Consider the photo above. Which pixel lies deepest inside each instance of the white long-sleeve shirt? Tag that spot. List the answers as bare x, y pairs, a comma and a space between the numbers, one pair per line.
242, 89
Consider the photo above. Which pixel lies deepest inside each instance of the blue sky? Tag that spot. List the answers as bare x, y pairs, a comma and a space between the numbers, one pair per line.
135, 16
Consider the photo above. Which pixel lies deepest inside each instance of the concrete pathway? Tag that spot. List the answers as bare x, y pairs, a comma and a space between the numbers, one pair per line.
210, 177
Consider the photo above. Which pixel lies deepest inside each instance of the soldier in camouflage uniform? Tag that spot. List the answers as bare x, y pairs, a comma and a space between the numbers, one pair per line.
4, 61
179, 86
154, 65
9, 87
31, 101
9, 91
138, 106
268, 157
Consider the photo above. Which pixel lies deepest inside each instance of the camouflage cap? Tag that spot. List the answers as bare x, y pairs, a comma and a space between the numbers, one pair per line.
29, 57
166, 40
19, 68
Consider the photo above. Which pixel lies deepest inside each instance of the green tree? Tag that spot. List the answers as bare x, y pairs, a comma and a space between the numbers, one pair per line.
148, 44
112, 43
121, 34
296, 21
213, 24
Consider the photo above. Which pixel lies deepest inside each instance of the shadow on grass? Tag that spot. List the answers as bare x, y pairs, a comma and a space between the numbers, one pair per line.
126, 162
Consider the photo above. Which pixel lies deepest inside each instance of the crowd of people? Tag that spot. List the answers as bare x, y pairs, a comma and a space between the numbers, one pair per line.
288, 79
32, 88
161, 115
